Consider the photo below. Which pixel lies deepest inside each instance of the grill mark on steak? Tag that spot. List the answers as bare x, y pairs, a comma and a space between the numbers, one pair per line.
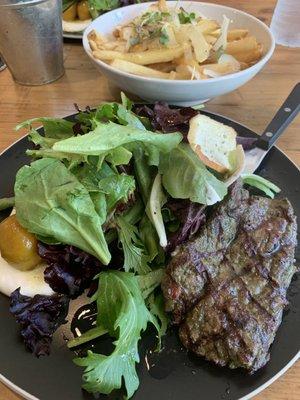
227, 286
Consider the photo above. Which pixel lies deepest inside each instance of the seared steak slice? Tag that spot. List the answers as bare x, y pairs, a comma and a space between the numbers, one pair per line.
227, 286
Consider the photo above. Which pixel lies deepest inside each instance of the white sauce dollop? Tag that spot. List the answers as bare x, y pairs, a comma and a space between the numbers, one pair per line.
30, 282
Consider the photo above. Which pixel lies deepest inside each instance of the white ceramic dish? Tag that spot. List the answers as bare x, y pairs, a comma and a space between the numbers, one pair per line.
178, 91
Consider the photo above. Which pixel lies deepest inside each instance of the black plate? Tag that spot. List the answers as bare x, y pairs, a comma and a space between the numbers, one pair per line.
174, 374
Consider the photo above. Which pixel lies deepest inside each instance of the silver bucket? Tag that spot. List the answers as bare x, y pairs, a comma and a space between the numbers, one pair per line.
31, 41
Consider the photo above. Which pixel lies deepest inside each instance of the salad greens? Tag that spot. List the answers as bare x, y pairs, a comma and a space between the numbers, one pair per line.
261, 183
7, 202
108, 136
135, 256
184, 176
96, 7
110, 180
122, 311
60, 208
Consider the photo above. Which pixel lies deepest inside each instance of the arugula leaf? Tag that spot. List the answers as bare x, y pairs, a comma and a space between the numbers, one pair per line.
184, 176
56, 128
6, 202
51, 202
156, 200
135, 257
122, 311
108, 136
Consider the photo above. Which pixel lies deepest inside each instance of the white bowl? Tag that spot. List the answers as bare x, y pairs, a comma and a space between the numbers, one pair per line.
181, 92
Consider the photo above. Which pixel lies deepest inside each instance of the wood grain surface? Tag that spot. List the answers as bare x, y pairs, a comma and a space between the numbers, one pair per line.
253, 105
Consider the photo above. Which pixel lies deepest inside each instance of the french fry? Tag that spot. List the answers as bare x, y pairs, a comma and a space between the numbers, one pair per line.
243, 45
249, 56
163, 67
141, 58
207, 25
162, 5
96, 37
236, 34
183, 72
137, 69
214, 70
93, 45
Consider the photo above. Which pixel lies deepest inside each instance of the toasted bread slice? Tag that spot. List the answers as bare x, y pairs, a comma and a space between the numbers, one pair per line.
212, 141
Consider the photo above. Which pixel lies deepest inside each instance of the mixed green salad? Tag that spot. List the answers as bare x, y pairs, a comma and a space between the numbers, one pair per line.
118, 178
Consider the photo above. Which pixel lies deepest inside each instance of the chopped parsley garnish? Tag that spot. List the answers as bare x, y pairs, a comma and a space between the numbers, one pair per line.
185, 17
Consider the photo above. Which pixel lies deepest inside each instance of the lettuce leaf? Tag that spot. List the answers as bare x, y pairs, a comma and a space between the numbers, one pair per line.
51, 202
184, 176
156, 200
56, 128
261, 183
144, 173
6, 202
122, 311
149, 237
108, 136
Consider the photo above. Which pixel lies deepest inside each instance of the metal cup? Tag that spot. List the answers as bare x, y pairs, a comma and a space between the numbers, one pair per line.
31, 41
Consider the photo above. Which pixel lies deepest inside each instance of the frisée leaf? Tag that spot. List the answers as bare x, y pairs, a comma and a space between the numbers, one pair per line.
122, 311
51, 202
135, 257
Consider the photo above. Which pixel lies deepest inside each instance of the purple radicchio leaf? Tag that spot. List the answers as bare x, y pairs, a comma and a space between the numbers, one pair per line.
191, 217
39, 317
70, 270
166, 119
248, 143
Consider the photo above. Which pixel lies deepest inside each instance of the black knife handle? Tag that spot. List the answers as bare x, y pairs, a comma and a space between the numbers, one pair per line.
284, 116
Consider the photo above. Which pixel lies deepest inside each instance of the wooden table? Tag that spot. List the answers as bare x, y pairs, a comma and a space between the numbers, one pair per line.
253, 105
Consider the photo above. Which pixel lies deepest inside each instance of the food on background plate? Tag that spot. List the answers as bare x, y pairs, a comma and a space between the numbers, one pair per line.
78, 14
119, 193
171, 43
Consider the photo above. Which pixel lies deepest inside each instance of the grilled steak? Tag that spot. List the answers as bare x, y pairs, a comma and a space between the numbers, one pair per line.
226, 287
